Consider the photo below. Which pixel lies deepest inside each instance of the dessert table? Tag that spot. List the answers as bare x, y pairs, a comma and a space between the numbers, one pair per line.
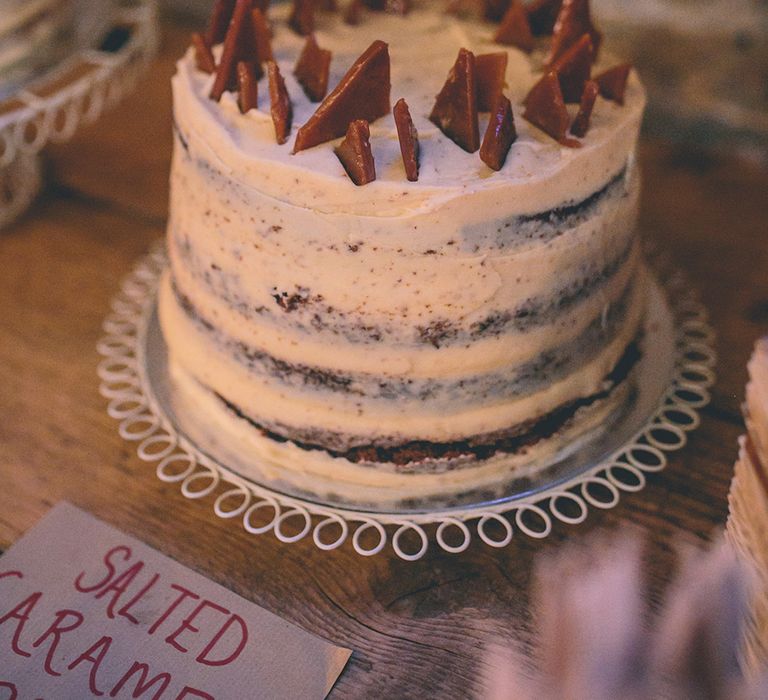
416, 628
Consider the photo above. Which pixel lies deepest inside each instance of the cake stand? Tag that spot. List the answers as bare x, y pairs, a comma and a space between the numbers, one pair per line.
51, 106
673, 379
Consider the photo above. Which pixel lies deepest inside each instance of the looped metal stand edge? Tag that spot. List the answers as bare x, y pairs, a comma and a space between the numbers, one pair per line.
601, 486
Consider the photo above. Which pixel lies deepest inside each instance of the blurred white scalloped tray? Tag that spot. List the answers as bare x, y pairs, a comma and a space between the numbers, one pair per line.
53, 104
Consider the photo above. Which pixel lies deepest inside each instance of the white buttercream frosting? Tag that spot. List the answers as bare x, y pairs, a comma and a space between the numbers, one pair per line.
444, 284
539, 173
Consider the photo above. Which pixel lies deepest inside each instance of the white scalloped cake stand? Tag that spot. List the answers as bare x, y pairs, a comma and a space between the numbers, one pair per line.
687, 369
52, 106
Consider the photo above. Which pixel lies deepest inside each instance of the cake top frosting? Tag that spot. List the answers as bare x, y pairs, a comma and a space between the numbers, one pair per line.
423, 46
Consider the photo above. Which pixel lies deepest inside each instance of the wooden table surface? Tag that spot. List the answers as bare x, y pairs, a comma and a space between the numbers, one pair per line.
417, 629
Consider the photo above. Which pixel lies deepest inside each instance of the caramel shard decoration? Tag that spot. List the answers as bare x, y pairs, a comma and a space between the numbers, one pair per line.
545, 108
302, 18
203, 55
353, 14
279, 103
580, 124
573, 69
355, 154
455, 110
490, 73
262, 36
613, 82
573, 21
238, 46
499, 136
312, 69
247, 86
220, 18
494, 10
409, 139
542, 15
363, 93
514, 29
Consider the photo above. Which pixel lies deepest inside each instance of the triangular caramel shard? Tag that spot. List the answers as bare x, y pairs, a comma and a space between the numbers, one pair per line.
409, 139
580, 125
355, 154
494, 10
514, 29
573, 21
262, 36
238, 46
542, 15
220, 19
545, 108
312, 69
455, 110
490, 74
203, 55
302, 18
353, 13
499, 136
247, 86
363, 93
613, 82
279, 103
573, 69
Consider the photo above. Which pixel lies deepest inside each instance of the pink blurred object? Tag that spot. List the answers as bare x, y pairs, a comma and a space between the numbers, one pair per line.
596, 638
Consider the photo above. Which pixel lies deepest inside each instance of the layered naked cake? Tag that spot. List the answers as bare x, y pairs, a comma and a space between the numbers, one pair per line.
402, 339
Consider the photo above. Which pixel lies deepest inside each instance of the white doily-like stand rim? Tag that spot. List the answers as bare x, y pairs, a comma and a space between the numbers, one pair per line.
294, 519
